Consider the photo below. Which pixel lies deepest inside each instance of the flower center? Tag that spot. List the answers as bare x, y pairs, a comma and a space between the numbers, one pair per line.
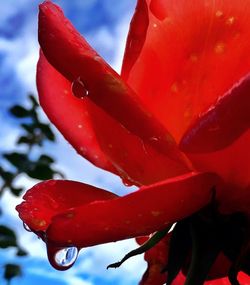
209, 245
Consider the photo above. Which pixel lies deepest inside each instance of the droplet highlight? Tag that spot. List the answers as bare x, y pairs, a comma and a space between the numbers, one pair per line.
219, 48
26, 227
62, 258
79, 89
127, 182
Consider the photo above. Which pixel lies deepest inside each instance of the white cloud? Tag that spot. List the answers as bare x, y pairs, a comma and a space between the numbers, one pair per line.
66, 277
26, 65
99, 257
121, 34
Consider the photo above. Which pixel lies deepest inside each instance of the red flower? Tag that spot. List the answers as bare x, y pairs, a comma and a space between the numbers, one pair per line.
175, 123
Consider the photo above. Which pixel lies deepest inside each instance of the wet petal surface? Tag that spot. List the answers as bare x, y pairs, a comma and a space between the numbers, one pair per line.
49, 198
76, 59
69, 114
194, 52
222, 124
147, 210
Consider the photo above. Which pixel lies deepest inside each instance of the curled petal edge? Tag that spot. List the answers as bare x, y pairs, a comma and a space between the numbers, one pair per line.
147, 210
76, 59
223, 123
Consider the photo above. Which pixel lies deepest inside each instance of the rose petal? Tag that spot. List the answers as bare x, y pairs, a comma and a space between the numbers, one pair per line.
220, 268
136, 161
242, 278
223, 123
49, 198
76, 60
131, 156
136, 37
194, 53
231, 163
68, 114
97, 136
156, 259
145, 211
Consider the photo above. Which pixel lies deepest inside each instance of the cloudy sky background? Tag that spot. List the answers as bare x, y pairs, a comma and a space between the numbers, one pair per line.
104, 23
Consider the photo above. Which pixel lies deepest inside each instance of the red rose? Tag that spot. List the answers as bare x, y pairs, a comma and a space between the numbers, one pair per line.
174, 123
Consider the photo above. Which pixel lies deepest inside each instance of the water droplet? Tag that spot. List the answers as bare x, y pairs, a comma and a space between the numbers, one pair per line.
62, 258
66, 256
230, 21
172, 227
174, 87
79, 89
219, 48
127, 182
219, 14
26, 227
158, 9
154, 139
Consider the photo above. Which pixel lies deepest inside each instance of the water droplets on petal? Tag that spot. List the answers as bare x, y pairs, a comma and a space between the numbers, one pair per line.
26, 227
79, 89
127, 182
62, 258
66, 256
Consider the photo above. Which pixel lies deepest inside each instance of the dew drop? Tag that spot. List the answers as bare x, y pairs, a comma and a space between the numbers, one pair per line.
158, 9
154, 139
66, 256
219, 48
62, 258
26, 227
126, 182
79, 89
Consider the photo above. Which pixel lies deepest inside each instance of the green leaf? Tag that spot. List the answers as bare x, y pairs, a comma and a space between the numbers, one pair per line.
41, 172
25, 140
7, 237
30, 128
16, 191
11, 270
33, 101
45, 159
21, 252
19, 111
6, 175
46, 130
151, 242
19, 160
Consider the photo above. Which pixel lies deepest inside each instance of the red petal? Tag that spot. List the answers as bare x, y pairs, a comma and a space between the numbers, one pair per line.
86, 127
220, 268
231, 163
131, 156
140, 213
136, 162
68, 114
222, 124
76, 59
242, 278
156, 258
52, 197
194, 52
136, 37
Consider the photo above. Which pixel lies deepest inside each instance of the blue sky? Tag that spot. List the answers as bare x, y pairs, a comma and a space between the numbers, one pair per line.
104, 23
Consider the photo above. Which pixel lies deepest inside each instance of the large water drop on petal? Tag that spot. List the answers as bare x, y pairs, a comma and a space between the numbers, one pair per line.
127, 182
79, 89
26, 227
62, 258
66, 256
